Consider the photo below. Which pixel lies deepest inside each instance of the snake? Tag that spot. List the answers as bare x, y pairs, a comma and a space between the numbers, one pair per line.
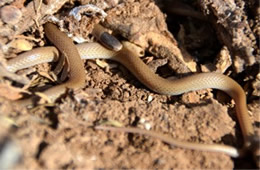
129, 57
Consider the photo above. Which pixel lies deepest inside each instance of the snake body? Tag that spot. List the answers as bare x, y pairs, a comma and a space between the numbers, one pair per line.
129, 58
77, 71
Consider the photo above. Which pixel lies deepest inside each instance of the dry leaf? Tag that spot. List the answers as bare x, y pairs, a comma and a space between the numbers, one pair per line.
21, 44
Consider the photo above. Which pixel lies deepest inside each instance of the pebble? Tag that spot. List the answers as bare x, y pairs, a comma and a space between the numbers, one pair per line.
10, 14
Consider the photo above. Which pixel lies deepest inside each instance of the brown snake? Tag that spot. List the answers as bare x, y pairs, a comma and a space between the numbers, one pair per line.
129, 58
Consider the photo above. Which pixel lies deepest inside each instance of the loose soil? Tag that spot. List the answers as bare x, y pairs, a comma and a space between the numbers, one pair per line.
61, 135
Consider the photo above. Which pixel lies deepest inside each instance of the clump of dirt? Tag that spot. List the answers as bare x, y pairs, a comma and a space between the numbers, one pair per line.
176, 42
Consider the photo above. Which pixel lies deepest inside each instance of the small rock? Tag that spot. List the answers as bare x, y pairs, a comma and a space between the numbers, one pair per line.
256, 85
10, 14
150, 98
10, 154
147, 126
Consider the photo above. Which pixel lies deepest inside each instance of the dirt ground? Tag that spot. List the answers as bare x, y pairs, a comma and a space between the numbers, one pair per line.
178, 38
